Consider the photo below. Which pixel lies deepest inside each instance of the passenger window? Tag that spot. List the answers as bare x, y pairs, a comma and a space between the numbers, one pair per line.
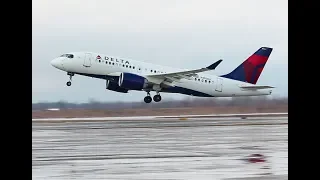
209, 81
112, 63
133, 67
123, 65
126, 66
205, 80
129, 66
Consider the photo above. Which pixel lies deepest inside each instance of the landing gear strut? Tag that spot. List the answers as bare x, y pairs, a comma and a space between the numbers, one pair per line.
70, 76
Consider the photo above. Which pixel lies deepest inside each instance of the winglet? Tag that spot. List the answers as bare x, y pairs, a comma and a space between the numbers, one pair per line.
214, 65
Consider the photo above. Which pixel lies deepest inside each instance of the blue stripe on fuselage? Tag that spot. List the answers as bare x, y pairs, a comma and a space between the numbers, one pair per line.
175, 89
185, 91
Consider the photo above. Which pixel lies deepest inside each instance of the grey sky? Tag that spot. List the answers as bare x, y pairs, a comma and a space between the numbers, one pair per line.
179, 33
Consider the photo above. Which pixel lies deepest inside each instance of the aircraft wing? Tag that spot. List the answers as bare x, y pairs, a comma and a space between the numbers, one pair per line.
176, 76
255, 87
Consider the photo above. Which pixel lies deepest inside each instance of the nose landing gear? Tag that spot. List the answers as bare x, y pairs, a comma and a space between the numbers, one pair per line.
70, 76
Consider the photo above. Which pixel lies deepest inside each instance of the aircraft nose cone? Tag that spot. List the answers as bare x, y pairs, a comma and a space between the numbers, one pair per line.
56, 63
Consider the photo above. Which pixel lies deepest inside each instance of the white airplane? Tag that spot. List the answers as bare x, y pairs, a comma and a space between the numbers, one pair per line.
123, 75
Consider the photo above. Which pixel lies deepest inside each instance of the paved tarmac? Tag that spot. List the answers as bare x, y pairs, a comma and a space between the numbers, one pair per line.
193, 148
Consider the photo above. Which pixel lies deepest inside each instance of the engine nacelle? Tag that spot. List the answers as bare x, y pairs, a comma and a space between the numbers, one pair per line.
132, 81
113, 86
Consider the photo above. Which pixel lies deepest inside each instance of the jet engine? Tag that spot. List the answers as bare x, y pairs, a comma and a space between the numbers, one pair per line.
132, 81
113, 86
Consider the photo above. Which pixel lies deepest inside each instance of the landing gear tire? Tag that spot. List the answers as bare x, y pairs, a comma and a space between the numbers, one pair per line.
157, 98
69, 83
147, 99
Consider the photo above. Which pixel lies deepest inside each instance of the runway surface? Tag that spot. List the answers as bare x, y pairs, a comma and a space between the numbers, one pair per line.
193, 148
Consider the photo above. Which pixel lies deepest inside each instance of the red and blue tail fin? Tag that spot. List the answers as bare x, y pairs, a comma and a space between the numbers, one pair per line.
250, 70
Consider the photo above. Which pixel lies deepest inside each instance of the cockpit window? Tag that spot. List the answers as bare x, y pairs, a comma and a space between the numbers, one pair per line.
67, 55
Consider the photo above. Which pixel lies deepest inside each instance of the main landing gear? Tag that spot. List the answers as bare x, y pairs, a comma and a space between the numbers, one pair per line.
70, 76
148, 98
156, 98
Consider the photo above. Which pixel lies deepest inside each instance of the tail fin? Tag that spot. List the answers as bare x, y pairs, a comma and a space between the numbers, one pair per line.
250, 70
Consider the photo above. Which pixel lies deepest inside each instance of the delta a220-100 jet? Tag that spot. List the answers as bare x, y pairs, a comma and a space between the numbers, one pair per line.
124, 75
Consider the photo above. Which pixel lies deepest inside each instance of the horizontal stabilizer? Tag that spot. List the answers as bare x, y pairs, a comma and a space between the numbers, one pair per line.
255, 87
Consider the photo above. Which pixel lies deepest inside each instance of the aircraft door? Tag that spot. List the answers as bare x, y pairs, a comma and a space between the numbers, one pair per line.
219, 84
87, 60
